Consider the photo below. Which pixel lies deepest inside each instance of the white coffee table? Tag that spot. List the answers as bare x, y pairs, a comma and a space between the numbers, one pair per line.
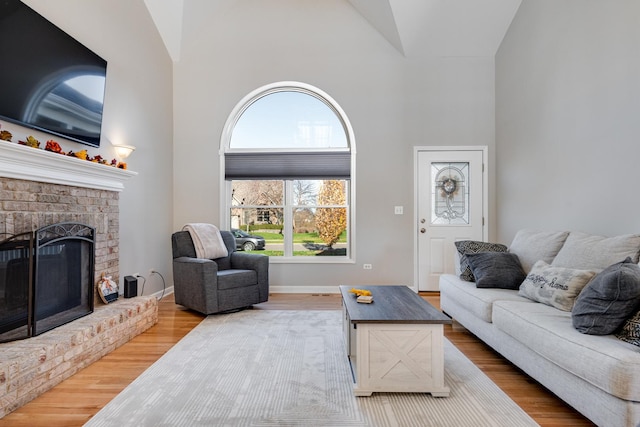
394, 344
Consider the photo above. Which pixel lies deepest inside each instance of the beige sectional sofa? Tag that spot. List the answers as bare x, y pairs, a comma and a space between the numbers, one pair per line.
599, 375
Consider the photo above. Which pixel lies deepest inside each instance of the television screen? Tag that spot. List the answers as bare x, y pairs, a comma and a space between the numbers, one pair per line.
48, 80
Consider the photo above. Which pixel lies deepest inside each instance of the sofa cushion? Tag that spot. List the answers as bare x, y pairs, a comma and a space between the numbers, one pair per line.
630, 331
532, 246
603, 361
496, 270
477, 301
466, 247
586, 251
555, 286
608, 300
456, 262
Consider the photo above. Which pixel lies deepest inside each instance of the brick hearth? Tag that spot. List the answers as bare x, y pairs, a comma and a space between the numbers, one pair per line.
32, 366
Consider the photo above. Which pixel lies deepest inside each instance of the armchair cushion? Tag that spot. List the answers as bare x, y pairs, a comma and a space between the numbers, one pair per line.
229, 279
224, 263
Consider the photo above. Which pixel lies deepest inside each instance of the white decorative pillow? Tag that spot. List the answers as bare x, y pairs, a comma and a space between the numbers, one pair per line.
533, 245
586, 251
554, 286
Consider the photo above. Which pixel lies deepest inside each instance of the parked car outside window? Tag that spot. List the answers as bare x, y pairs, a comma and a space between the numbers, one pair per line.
246, 241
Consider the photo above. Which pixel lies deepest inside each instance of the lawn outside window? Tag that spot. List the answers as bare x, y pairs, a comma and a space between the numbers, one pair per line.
307, 219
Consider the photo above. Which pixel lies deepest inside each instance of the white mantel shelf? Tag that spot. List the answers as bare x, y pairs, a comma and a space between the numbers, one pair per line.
34, 164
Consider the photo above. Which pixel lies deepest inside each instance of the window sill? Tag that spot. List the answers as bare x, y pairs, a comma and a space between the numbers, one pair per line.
311, 260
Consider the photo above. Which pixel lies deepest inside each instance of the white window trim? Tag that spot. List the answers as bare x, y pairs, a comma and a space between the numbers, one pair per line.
225, 186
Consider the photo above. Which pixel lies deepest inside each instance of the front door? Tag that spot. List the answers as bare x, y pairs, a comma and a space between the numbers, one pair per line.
450, 205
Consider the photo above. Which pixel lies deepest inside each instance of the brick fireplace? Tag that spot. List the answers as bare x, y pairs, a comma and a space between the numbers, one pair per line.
29, 205
40, 188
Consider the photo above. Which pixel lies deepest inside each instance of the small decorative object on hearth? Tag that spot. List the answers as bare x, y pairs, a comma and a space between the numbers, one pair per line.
108, 289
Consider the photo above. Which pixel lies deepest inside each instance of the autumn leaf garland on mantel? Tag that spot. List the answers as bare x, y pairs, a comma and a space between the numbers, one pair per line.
5, 135
54, 147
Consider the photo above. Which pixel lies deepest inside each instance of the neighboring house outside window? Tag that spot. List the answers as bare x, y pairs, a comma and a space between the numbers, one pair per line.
288, 159
263, 216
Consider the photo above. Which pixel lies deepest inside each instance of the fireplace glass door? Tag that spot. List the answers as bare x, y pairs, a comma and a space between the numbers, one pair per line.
15, 286
46, 279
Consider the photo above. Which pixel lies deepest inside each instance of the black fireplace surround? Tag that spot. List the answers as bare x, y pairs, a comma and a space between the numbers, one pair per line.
46, 279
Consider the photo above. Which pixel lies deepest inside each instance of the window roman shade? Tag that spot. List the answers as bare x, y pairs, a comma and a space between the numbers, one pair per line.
291, 165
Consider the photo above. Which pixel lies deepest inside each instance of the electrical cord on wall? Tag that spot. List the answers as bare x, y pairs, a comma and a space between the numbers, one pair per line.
164, 285
144, 280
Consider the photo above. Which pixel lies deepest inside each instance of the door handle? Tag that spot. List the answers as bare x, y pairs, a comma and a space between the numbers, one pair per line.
422, 230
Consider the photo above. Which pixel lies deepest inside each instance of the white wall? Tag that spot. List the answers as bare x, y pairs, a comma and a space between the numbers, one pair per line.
231, 48
138, 111
567, 109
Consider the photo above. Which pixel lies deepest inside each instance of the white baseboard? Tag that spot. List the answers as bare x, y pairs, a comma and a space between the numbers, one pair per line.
304, 289
285, 290
167, 291
317, 289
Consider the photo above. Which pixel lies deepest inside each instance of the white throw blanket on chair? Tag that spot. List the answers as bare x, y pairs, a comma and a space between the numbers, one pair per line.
207, 240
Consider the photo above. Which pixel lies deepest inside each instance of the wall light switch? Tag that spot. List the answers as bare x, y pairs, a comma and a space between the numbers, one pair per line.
399, 210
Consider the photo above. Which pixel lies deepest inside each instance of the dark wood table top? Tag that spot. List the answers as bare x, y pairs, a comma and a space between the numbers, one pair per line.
391, 304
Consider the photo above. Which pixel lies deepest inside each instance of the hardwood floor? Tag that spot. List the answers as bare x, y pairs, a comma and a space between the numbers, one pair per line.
76, 400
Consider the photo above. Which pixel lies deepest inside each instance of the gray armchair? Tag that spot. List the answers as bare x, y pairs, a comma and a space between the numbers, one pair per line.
236, 281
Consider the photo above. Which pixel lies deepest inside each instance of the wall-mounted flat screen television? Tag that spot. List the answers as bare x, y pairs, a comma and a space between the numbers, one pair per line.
48, 80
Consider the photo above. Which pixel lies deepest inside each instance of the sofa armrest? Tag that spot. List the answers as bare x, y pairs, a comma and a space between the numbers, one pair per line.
195, 283
257, 262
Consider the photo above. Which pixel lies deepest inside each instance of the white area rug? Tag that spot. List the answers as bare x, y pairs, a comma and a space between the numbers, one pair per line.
289, 368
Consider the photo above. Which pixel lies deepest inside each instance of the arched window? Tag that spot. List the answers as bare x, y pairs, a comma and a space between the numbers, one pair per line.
288, 158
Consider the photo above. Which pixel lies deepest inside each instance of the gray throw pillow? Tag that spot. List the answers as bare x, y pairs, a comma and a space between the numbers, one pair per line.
555, 286
496, 270
466, 247
611, 297
630, 331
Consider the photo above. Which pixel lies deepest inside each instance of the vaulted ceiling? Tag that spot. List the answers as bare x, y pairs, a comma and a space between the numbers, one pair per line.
413, 27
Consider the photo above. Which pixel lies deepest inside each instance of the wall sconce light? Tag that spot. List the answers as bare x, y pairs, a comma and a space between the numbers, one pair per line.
123, 151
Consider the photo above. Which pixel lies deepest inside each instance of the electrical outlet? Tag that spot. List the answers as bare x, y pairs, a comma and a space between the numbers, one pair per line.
398, 210
367, 266
136, 274
151, 271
